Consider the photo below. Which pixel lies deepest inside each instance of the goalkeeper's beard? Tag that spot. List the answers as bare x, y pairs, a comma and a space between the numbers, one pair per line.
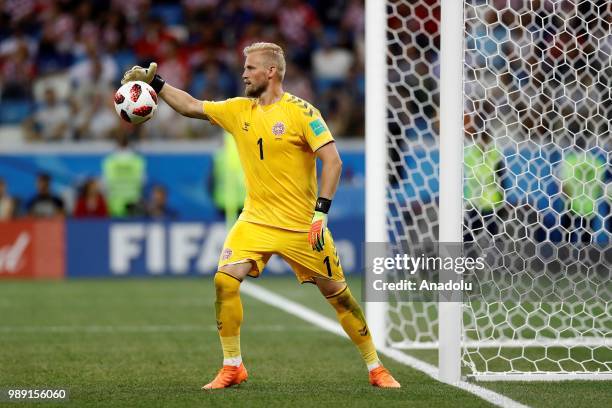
255, 91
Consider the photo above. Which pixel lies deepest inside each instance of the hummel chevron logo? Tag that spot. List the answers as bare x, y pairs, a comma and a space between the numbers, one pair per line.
307, 109
245, 127
364, 331
219, 324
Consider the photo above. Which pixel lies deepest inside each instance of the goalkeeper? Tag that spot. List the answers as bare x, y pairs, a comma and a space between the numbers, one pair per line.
279, 136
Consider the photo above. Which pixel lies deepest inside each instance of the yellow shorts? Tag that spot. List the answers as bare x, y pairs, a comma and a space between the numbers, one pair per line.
256, 243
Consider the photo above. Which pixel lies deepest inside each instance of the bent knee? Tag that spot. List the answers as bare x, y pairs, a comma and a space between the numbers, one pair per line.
329, 288
238, 271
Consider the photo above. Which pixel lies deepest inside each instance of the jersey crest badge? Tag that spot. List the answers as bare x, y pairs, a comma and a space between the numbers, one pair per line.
278, 129
227, 253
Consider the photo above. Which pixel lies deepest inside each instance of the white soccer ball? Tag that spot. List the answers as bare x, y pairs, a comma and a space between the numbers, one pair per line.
135, 102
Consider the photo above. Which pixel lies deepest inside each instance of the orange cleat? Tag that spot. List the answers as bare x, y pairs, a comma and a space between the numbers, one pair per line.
228, 376
380, 377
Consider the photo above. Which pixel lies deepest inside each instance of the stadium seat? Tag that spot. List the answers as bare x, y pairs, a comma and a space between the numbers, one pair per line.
125, 59
171, 14
14, 112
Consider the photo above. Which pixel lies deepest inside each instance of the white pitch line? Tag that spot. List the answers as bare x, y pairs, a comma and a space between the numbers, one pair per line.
309, 315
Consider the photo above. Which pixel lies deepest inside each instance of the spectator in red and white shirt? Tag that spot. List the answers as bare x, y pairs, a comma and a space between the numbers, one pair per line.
297, 21
91, 203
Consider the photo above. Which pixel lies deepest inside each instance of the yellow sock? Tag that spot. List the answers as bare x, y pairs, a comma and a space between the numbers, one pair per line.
228, 308
353, 322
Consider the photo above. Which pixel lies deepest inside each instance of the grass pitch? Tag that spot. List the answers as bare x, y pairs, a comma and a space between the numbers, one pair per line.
153, 342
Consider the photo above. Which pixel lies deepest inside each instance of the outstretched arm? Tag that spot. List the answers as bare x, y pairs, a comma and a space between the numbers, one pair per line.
182, 102
178, 100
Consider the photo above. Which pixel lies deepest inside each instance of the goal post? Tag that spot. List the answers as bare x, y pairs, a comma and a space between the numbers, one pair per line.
487, 123
376, 148
451, 175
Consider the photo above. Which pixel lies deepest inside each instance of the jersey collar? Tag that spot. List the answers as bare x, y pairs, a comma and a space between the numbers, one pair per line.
271, 106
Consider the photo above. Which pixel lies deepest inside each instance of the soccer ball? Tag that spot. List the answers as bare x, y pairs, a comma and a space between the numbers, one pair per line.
135, 102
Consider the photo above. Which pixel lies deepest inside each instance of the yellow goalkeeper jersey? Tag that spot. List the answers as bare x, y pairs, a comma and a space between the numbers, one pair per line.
276, 144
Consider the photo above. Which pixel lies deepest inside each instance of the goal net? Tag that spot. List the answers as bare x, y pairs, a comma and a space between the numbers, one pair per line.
537, 181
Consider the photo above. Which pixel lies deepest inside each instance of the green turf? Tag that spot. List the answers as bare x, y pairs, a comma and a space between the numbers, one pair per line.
154, 343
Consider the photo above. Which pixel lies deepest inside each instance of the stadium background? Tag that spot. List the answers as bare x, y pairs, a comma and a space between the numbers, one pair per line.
80, 50
61, 61
74, 53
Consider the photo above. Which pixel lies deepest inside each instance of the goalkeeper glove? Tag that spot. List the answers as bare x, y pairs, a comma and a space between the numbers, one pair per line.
147, 75
316, 235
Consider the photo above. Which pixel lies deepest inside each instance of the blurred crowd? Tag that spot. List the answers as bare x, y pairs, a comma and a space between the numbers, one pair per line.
537, 104
61, 60
120, 191
534, 70
92, 201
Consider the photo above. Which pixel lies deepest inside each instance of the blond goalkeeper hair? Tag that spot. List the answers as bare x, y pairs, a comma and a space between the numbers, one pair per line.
274, 55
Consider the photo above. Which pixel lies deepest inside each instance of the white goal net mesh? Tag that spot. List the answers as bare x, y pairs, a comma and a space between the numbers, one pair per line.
537, 178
